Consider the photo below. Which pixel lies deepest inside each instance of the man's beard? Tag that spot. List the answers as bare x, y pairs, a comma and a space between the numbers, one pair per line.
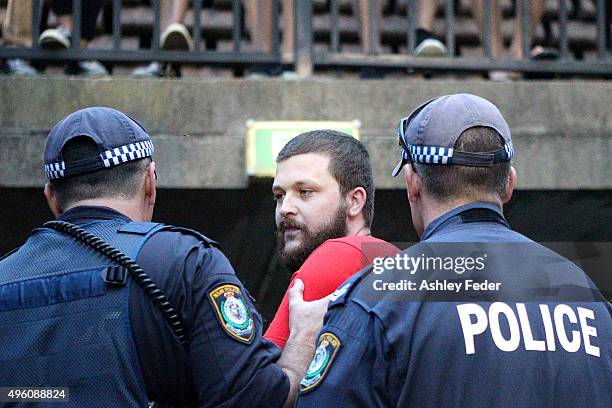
294, 258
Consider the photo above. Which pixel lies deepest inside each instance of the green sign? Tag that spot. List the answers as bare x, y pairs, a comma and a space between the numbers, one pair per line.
266, 139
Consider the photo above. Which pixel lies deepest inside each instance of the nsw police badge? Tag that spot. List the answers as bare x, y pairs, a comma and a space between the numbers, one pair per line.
327, 348
233, 313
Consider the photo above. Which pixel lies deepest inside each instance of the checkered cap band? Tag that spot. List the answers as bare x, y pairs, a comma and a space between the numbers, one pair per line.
440, 155
55, 170
431, 154
109, 158
126, 153
509, 150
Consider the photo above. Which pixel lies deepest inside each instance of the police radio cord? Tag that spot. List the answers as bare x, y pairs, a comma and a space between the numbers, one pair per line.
150, 288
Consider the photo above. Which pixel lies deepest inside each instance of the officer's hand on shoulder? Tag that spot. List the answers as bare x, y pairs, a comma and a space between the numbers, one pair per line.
305, 318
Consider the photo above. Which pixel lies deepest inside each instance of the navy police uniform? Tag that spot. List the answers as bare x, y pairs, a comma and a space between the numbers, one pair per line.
218, 366
475, 314
65, 323
389, 350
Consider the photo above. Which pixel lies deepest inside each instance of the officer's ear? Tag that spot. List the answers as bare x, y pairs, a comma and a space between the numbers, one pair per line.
510, 185
151, 184
52, 201
413, 183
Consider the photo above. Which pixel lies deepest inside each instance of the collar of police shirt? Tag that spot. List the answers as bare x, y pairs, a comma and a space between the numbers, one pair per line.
438, 222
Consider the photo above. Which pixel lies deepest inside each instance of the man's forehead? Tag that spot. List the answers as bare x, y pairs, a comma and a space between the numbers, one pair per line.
303, 168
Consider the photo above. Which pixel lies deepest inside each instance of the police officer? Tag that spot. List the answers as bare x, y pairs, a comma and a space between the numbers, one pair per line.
185, 332
494, 319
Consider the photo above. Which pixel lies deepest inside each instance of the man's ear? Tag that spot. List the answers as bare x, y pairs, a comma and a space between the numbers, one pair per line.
151, 184
413, 183
52, 201
511, 184
356, 199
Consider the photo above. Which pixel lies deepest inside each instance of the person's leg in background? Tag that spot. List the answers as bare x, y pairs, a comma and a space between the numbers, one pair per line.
537, 52
259, 22
369, 15
174, 36
17, 32
369, 25
427, 45
498, 50
17, 25
61, 37
497, 43
288, 36
259, 17
288, 47
536, 10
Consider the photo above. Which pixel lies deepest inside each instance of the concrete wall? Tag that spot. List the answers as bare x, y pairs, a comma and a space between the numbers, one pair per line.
562, 130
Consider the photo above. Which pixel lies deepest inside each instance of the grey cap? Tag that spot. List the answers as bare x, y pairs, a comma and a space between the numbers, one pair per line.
429, 133
119, 138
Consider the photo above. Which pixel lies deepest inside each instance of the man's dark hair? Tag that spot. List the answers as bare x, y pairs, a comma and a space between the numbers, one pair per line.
117, 181
349, 162
447, 182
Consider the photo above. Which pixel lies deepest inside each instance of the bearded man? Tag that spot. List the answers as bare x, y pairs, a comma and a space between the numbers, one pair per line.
324, 193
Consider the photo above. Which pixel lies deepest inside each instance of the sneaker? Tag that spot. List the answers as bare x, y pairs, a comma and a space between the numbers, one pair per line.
428, 45
176, 37
153, 70
539, 53
85, 69
542, 54
504, 76
55, 38
17, 66
158, 70
290, 76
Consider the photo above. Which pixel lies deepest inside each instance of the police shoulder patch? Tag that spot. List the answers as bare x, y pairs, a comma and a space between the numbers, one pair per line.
233, 313
326, 351
338, 293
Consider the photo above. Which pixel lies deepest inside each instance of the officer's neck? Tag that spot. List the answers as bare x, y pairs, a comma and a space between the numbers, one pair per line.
131, 208
431, 209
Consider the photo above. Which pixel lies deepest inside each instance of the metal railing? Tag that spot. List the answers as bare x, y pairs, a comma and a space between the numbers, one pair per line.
305, 59
235, 57
563, 65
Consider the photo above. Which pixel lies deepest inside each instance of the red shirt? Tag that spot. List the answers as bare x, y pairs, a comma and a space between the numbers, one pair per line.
324, 270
